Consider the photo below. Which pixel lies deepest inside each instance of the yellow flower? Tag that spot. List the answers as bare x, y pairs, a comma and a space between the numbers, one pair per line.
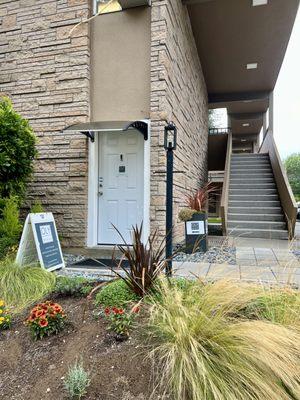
1, 303
1, 311
2, 319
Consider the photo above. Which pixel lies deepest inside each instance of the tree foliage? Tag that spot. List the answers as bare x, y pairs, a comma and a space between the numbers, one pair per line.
292, 165
17, 151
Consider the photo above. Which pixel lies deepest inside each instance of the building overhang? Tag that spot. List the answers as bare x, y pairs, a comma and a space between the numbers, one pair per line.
89, 128
241, 48
134, 3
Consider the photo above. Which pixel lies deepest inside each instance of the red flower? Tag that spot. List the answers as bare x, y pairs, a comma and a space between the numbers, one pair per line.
136, 309
107, 311
120, 311
40, 313
43, 322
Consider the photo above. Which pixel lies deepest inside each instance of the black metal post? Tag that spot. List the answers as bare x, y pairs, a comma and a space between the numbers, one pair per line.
169, 211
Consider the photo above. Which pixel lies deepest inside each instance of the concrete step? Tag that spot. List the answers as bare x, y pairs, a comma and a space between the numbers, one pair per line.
256, 217
265, 225
251, 185
250, 155
260, 233
254, 210
259, 163
253, 197
248, 175
254, 203
250, 159
248, 170
243, 191
255, 179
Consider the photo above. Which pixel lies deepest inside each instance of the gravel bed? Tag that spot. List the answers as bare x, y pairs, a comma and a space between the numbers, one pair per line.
72, 258
216, 254
96, 276
296, 253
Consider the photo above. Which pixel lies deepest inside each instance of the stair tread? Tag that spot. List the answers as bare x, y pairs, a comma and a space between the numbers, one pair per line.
261, 230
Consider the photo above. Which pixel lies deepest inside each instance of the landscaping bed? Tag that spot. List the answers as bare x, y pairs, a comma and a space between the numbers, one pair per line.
35, 370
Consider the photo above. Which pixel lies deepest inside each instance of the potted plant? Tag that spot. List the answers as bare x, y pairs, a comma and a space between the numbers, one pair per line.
195, 218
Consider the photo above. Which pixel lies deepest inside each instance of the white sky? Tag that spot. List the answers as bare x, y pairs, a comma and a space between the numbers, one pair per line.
287, 98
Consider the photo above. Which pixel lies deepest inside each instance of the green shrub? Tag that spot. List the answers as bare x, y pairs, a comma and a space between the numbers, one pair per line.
10, 227
77, 381
72, 286
205, 350
115, 294
22, 286
17, 151
37, 208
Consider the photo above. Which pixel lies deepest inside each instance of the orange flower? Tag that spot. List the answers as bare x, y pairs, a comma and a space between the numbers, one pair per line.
43, 322
40, 313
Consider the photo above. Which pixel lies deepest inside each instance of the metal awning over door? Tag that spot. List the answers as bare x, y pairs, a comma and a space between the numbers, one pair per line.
89, 128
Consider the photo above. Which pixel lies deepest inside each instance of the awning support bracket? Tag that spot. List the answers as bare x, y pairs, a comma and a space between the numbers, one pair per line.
140, 126
90, 135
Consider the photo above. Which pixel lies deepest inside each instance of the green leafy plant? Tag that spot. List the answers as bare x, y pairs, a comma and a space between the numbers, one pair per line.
292, 165
37, 207
206, 350
5, 316
120, 320
17, 151
46, 319
22, 286
77, 381
145, 260
72, 286
115, 294
10, 227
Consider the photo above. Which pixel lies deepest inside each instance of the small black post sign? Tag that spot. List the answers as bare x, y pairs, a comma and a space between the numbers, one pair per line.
40, 242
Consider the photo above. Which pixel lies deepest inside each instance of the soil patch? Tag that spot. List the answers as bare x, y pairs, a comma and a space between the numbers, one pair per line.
35, 370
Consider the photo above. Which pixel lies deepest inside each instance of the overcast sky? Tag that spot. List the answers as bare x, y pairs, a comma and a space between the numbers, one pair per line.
287, 98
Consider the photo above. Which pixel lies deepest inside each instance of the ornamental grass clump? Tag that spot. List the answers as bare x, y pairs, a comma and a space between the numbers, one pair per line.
208, 350
23, 286
46, 319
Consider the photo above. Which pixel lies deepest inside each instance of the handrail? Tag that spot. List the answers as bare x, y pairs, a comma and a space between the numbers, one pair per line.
286, 196
225, 188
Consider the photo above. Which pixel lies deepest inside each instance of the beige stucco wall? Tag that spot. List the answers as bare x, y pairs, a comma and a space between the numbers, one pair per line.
120, 65
178, 93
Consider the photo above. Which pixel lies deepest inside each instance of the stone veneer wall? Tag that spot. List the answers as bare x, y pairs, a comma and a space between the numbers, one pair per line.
46, 74
178, 93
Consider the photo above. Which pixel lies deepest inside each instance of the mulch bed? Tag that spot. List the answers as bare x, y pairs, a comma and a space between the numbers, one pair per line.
35, 370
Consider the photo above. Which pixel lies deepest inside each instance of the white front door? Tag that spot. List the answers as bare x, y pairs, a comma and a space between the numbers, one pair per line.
120, 185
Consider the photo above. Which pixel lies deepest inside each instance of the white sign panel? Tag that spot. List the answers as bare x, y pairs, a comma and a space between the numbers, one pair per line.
195, 228
40, 242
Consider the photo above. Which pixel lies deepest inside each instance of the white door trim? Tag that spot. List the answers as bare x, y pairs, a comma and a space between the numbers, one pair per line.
92, 230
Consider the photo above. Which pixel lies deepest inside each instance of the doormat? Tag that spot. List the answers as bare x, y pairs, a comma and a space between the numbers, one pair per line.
99, 263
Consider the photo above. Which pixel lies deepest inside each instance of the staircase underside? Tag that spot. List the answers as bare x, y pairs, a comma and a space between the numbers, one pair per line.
254, 208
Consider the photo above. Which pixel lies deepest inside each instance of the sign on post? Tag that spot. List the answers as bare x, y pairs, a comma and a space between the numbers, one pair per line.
39, 242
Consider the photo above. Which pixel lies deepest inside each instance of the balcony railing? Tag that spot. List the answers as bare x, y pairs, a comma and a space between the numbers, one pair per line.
219, 131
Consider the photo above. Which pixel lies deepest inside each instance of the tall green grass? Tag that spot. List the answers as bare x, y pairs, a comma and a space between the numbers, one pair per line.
207, 349
22, 286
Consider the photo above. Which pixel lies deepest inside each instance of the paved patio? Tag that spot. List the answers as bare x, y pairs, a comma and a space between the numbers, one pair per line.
264, 260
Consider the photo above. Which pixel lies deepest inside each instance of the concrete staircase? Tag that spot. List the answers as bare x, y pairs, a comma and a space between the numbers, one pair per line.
254, 208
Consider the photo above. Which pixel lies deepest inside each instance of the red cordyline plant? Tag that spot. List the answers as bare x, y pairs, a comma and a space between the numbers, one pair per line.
198, 200
145, 260
46, 319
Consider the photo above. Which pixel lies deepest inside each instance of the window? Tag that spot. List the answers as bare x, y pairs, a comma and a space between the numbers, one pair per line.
107, 6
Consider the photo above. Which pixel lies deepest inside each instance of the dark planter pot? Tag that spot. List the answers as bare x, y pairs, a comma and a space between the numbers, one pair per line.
196, 233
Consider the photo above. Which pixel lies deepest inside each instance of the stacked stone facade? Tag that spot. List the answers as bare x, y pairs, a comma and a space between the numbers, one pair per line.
45, 72
178, 94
